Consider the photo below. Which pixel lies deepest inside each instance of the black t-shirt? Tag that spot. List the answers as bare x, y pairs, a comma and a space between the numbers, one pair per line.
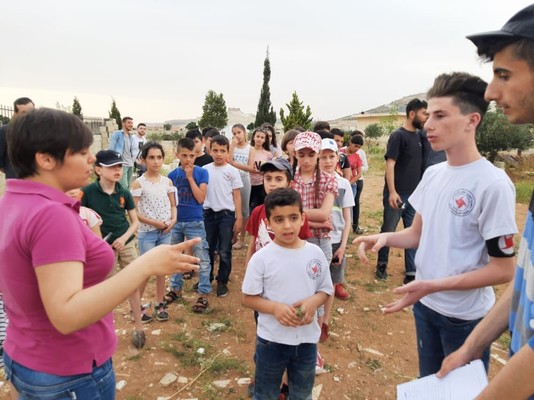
406, 149
203, 160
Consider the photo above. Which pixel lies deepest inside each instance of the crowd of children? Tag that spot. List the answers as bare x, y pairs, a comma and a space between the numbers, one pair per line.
302, 207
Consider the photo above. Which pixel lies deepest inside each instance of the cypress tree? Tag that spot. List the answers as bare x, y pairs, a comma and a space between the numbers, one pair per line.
265, 111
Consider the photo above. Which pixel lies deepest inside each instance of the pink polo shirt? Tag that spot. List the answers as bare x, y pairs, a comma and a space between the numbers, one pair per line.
40, 225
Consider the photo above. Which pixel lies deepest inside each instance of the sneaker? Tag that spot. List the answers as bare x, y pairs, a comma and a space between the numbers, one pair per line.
145, 315
340, 292
408, 279
324, 333
146, 318
222, 289
381, 272
360, 231
161, 312
319, 364
138, 339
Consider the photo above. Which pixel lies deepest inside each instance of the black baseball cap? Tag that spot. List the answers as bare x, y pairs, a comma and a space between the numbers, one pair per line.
521, 25
108, 158
279, 163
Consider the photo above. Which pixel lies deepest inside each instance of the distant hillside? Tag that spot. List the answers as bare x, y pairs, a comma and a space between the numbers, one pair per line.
235, 116
399, 105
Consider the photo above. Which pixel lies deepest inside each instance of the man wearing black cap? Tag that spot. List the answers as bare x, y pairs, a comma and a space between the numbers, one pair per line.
512, 51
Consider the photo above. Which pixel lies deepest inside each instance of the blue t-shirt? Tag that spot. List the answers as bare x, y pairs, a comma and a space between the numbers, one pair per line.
189, 209
522, 313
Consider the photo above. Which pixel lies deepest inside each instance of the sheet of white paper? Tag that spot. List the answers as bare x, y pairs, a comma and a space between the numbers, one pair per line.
464, 383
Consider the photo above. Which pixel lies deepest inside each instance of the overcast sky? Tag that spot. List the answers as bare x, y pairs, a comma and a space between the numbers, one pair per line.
159, 58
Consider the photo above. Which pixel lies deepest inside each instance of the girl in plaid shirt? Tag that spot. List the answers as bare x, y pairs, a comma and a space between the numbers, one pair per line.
318, 190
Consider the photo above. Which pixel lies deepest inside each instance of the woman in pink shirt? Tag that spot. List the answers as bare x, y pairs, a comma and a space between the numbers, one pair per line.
60, 337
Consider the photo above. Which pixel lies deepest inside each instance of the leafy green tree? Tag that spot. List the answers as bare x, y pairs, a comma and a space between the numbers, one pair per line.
265, 111
496, 134
374, 131
115, 114
389, 123
167, 127
4, 120
296, 116
214, 112
77, 108
191, 125
250, 127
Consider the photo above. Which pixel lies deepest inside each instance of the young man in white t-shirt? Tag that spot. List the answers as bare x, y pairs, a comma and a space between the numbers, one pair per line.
286, 296
222, 210
463, 227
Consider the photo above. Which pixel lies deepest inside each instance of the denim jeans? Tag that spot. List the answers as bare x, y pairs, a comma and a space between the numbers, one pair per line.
126, 177
391, 220
438, 336
272, 359
33, 385
151, 239
356, 208
219, 233
190, 230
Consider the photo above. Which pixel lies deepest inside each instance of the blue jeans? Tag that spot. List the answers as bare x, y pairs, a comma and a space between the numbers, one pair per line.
219, 233
438, 336
191, 230
126, 177
391, 220
272, 359
151, 239
33, 385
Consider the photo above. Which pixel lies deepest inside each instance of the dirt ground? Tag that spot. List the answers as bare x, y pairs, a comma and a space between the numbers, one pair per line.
366, 356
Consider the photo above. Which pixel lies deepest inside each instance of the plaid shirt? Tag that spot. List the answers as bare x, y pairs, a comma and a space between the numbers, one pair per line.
327, 184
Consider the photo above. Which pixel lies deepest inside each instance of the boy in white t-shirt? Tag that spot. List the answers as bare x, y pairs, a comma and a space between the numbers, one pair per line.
286, 296
463, 227
341, 223
222, 210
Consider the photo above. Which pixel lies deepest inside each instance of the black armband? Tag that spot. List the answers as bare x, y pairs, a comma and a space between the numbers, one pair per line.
501, 246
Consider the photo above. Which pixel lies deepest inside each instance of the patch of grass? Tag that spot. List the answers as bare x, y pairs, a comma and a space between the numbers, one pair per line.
504, 340
209, 392
228, 364
373, 287
375, 215
135, 357
523, 191
227, 324
373, 364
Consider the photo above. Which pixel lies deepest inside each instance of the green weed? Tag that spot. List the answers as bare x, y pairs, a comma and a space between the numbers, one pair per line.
523, 191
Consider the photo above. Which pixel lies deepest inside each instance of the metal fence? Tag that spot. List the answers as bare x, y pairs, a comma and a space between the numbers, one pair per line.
6, 113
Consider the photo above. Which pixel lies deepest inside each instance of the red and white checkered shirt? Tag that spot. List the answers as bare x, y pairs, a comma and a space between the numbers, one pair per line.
327, 184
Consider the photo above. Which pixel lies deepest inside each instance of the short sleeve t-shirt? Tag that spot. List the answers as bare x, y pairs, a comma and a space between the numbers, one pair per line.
270, 275
223, 181
189, 209
42, 226
344, 199
111, 207
461, 207
406, 148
